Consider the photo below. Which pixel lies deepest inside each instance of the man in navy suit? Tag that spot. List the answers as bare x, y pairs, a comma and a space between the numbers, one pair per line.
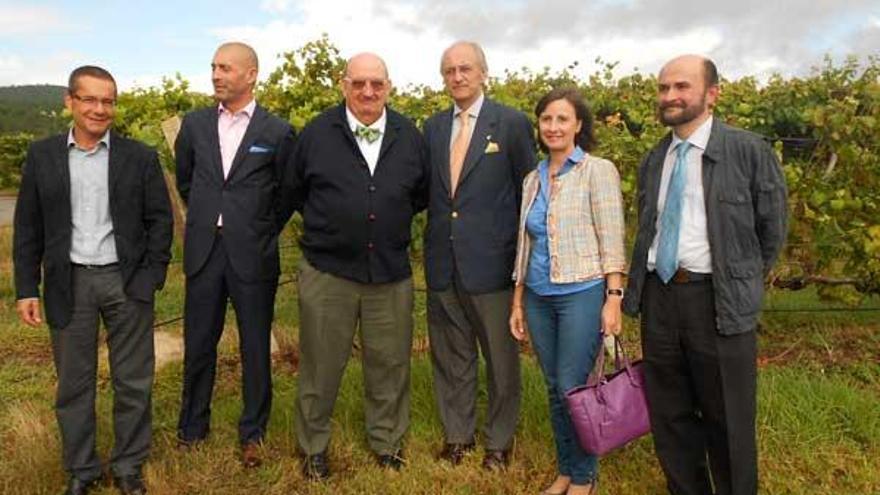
230, 166
93, 213
480, 151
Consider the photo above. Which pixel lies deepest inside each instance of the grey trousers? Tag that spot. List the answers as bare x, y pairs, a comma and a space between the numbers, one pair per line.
331, 309
98, 294
457, 321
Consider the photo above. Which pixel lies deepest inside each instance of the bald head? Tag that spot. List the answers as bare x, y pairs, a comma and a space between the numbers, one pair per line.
365, 61
366, 87
241, 52
234, 75
693, 63
687, 89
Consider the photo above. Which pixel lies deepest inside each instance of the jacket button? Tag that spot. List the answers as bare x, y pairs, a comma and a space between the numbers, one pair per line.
451, 238
372, 188
454, 214
370, 245
372, 217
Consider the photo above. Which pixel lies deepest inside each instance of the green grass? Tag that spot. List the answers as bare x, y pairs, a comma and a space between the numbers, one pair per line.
818, 424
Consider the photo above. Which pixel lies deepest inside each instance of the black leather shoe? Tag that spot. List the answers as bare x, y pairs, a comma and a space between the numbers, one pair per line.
393, 461
132, 484
315, 467
76, 486
455, 452
496, 460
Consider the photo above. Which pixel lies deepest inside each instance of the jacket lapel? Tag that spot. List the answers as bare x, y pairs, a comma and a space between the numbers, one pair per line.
214, 142
392, 128
653, 175
116, 161
713, 151
61, 160
444, 134
254, 130
487, 122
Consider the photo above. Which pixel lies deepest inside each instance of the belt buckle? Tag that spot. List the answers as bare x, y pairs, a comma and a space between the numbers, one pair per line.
681, 276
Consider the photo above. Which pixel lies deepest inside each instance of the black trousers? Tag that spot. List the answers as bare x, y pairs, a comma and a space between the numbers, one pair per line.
98, 294
701, 389
204, 313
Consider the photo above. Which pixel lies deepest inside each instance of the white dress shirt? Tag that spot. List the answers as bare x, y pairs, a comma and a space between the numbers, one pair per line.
693, 240
368, 149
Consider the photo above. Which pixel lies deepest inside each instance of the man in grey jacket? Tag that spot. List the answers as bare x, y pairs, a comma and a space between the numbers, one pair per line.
712, 221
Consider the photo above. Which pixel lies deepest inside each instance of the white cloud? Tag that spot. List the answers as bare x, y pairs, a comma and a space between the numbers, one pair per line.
277, 6
412, 45
51, 69
27, 19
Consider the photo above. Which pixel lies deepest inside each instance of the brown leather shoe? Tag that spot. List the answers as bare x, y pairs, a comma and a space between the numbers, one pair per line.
250, 455
496, 460
455, 452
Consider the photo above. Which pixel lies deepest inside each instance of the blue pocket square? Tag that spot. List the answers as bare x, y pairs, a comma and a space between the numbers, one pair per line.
256, 148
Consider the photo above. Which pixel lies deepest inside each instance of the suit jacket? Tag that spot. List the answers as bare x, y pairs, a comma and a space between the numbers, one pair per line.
251, 199
745, 196
139, 209
356, 224
478, 227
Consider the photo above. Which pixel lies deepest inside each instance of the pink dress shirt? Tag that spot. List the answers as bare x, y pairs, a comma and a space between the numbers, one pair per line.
230, 130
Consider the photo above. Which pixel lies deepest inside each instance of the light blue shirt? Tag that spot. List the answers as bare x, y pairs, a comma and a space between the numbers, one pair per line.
92, 241
538, 273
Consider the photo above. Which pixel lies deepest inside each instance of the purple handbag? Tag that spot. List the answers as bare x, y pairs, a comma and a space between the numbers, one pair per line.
612, 411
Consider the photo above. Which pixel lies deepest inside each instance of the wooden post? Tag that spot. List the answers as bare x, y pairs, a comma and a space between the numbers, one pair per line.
170, 128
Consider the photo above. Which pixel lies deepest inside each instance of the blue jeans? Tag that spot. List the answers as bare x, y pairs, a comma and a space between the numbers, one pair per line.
565, 333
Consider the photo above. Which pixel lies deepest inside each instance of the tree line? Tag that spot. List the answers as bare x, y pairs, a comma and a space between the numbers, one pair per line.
824, 126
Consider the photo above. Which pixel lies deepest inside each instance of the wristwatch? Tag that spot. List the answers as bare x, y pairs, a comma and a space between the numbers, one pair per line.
615, 292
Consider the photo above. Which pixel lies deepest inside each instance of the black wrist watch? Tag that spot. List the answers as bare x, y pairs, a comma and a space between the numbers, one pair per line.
614, 292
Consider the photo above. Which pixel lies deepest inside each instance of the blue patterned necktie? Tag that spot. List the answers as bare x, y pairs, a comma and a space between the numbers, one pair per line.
670, 220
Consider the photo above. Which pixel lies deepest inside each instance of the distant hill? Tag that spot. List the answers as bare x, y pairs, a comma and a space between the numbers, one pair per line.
25, 109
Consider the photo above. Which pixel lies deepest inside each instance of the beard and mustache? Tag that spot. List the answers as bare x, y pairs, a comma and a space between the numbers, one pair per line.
687, 114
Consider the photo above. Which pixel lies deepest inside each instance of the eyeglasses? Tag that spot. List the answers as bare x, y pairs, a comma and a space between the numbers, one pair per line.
92, 101
359, 84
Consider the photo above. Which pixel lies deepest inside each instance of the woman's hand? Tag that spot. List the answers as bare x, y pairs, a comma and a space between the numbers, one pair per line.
612, 322
518, 323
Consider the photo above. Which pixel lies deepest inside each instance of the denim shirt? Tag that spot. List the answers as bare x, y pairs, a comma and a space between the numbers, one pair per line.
538, 273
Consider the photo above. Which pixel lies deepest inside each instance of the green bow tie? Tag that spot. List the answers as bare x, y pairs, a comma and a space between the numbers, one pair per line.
367, 133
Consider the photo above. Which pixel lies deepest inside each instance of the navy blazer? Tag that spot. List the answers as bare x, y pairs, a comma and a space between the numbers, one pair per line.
746, 212
251, 199
139, 210
479, 226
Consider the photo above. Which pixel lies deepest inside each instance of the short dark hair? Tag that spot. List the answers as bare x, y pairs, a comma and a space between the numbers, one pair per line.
584, 137
90, 71
710, 72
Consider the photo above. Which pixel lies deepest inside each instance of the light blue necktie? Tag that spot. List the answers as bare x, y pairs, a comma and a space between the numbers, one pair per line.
670, 219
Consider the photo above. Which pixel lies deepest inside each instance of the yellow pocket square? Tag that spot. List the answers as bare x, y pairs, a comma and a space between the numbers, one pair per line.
492, 147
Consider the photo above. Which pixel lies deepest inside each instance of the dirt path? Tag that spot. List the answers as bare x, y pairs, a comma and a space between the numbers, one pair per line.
7, 209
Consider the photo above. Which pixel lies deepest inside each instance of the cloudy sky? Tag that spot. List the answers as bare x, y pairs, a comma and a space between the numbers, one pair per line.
140, 42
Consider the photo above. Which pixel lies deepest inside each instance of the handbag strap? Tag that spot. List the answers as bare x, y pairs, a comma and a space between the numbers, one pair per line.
597, 375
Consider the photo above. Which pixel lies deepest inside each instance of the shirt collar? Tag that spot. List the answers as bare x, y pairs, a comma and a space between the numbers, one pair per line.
699, 138
104, 139
573, 159
473, 111
247, 110
353, 121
